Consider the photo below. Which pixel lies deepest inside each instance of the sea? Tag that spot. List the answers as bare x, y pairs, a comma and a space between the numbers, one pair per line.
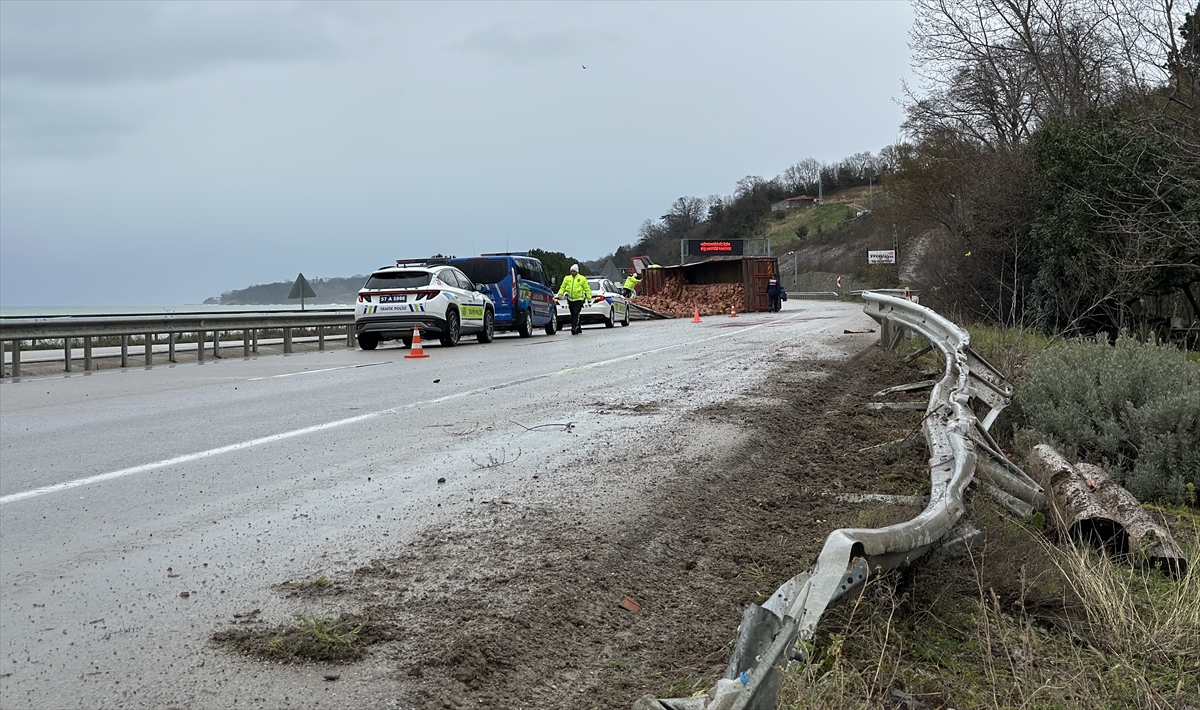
58, 311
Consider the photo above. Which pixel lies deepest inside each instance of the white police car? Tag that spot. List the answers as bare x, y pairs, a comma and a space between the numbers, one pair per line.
428, 294
608, 306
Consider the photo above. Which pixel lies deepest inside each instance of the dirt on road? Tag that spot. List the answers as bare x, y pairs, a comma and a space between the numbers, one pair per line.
520, 606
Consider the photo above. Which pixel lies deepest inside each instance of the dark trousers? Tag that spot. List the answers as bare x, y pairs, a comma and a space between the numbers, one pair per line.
576, 307
775, 304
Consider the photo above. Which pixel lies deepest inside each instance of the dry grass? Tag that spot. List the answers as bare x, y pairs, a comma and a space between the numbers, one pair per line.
1023, 623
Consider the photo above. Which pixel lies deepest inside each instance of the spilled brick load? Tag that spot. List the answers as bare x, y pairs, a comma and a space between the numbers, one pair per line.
681, 300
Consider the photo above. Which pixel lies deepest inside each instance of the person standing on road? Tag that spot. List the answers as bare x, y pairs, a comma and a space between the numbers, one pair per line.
631, 284
773, 292
578, 292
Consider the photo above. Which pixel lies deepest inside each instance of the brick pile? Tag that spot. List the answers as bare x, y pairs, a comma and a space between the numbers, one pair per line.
681, 300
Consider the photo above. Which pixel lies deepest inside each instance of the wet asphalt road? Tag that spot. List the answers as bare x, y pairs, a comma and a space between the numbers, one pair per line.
120, 490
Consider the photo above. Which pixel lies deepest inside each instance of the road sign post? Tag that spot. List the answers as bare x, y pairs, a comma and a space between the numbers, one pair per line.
301, 290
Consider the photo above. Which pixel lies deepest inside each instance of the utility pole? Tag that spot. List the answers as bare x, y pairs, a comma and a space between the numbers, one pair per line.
820, 191
895, 245
871, 193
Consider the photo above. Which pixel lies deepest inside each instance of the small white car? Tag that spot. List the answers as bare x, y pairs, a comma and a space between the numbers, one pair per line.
428, 294
608, 306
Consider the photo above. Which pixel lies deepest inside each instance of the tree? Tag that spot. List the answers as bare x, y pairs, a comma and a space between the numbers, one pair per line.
1119, 219
996, 69
556, 264
1054, 165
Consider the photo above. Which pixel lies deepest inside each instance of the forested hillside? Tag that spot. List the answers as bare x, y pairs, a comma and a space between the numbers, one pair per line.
1053, 173
747, 213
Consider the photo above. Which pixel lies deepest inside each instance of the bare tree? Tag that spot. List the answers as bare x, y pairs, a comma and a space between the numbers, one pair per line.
995, 69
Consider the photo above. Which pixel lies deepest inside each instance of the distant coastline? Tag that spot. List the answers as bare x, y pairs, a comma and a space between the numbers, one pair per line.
339, 290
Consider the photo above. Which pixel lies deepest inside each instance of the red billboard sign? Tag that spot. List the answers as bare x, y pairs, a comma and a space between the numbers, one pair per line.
726, 247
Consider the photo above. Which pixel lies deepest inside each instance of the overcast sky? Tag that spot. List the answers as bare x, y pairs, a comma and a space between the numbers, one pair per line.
162, 153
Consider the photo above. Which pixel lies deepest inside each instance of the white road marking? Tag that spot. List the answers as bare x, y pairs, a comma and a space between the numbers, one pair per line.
313, 372
188, 458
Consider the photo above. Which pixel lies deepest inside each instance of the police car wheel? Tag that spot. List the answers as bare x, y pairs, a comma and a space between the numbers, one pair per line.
610, 321
626, 321
552, 326
407, 342
368, 341
452, 332
489, 327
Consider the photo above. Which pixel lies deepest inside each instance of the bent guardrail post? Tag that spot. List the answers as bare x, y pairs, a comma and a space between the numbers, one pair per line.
767, 642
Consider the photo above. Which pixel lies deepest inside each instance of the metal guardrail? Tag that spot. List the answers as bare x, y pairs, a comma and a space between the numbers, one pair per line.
767, 637
14, 330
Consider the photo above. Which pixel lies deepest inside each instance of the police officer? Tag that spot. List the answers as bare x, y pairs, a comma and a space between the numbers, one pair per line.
631, 284
773, 294
578, 292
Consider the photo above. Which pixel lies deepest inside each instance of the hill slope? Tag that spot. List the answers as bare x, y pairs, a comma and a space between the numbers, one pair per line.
328, 290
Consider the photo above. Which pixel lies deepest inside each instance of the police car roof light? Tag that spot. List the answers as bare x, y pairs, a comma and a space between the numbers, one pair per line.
421, 262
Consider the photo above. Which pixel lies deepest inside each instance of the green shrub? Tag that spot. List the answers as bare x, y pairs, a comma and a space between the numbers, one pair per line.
1132, 407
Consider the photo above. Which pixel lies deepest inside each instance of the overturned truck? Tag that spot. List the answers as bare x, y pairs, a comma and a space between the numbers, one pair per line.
715, 285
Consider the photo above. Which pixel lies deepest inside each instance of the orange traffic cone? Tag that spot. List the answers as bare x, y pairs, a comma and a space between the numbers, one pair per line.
417, 350
733, 312
696, 316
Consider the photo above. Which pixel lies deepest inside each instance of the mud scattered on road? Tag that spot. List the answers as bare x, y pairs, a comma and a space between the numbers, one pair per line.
520, 605
310, 639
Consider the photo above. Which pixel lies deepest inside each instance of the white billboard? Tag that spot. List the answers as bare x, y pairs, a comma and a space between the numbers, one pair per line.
881, 257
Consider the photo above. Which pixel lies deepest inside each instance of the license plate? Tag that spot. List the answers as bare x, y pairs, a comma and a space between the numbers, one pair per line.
393, 298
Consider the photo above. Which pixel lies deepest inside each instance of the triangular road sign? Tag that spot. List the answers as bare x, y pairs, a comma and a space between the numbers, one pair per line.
302, 290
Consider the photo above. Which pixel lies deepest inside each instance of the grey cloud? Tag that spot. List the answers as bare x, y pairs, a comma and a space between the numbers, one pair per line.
90, 42
46, 124
532, 48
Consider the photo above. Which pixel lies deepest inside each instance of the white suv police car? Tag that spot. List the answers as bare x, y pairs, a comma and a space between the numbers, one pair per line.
428, 294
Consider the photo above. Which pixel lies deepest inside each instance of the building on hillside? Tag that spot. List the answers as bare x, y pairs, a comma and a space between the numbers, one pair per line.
794, 203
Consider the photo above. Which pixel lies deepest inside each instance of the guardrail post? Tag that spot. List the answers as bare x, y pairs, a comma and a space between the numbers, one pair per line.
350, 336
87, 353
16, 360
149, 349
67, 353
124, 351
320, 337
246, 343
170, 347
199, 346
254, 344
287, 340
217, 344
2, 348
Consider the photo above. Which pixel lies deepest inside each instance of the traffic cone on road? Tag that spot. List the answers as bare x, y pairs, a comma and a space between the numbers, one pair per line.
417, 350
696, 316
733, 311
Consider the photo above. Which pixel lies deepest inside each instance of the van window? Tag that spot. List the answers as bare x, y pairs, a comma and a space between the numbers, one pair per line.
528, 270
398, 279
484, 271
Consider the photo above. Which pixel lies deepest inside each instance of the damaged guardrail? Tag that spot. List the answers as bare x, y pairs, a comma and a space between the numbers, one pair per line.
957, 440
